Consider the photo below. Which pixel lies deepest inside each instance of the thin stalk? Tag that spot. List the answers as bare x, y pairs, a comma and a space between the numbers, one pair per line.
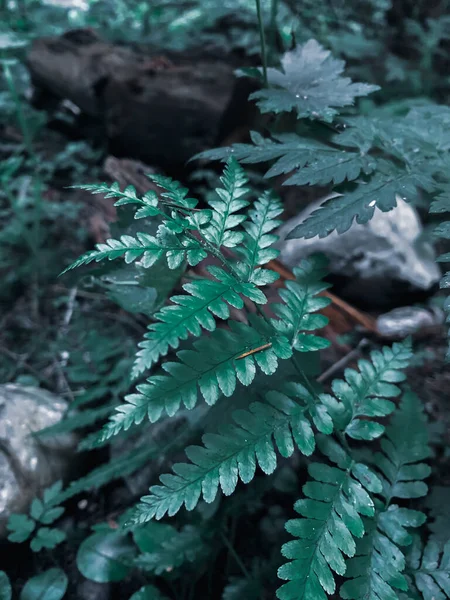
236, 556
262, 37
273, 24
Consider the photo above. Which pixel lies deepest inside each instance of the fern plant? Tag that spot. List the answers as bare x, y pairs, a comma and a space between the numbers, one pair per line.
357, 507
343, 498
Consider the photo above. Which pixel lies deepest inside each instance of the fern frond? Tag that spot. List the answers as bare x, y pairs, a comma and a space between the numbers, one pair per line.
441, 204
174, 193
256, 248
147, 248
314, 163
231, 455
172, 548
219, 231
148, 203
288, 150
301, 302
379, 563
429, 567
310, 83
121, 467
337, 214
365, 394
212, 368
335, 500
189, 313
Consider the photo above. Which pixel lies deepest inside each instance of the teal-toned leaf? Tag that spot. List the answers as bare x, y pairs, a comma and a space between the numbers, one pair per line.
5, 587
148, 592
50, 585
211, 369
230, 456
310, 83
338, 213
21, 527
47, 538
105, 556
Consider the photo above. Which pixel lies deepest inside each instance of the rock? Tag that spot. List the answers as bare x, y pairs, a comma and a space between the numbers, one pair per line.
379, 260
29, 464
407, 320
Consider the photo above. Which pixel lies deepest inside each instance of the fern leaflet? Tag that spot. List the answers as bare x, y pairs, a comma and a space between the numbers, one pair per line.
212, 368
256, 249
377, 569
219, 231
365, 393
440, 205
430, 569
332, 509
189, 313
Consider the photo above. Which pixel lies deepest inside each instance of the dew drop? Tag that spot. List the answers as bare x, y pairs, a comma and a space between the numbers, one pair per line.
305, 97
297, 95
372, 203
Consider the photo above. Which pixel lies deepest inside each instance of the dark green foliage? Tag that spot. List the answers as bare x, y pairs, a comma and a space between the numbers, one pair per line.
106, 555
377, 570
376, 379
310, 83
5, 587
429, 566
362, 451
50, 585
332, 509
42, 512
230, 456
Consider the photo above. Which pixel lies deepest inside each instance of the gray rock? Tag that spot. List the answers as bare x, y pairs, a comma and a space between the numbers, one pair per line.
29, 464
376, 257
406, 320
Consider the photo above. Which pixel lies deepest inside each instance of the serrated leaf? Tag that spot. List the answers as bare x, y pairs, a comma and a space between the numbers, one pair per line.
331, 518
231, 455
211, 369
310, 83
338, 214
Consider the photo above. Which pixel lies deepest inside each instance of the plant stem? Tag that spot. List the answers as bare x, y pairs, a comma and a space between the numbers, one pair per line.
235, 555
262, 38
273, 24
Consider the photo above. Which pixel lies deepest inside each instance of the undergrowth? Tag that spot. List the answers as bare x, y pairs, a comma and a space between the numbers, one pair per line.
231, 378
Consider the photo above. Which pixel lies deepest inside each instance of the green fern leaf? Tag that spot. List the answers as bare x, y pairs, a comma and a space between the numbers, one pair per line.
377, 569
310, 83
331, 519
301, 302
219, 231
430, 569
212, 368
314, 163
148, 203
172, 548
441, 205
205, 299
365, 394
231, 455
337, 214
288, 150
174, 193
256, 248
147, 248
